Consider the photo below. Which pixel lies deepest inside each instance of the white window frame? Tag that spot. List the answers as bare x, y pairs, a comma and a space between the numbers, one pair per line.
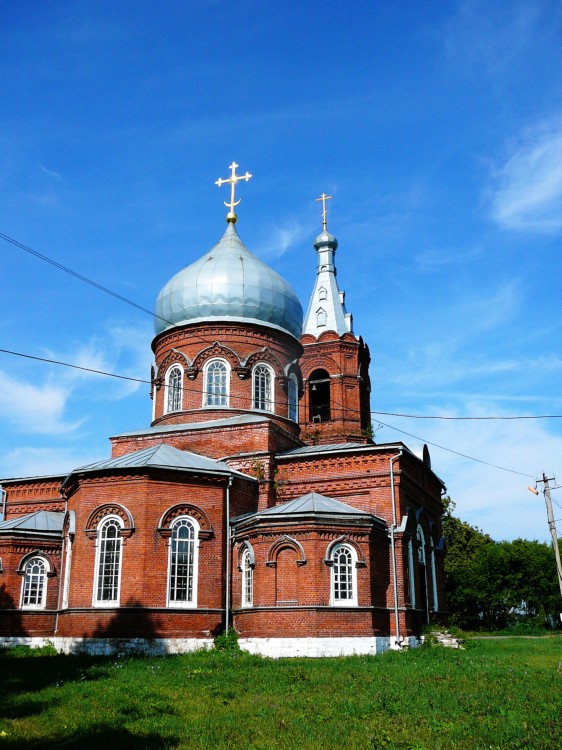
293, 406
321, 317
262, 398
247, 582
413, 599
43, 582
209, 395
191, 603
167, 408
433, 575
101, 550
322, 294
336, 583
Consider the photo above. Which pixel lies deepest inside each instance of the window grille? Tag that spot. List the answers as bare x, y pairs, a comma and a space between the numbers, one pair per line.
293, 398
216, 384
174, 396
183, 562
263, 388
343, 575
34, 584
109, 561
247, 580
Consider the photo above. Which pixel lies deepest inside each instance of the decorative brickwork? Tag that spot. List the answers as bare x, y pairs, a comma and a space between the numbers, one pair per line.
290, 538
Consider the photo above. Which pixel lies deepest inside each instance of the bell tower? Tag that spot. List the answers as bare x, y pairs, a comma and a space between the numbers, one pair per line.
335, 364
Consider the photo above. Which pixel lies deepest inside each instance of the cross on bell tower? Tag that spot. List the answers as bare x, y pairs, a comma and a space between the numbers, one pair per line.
324, 198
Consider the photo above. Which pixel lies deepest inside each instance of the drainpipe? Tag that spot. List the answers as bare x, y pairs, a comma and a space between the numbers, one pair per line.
4, 501
227, 553
393, 548
62, 565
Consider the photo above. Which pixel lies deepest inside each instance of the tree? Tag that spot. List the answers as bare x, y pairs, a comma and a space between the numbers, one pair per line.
493, 584
463, 542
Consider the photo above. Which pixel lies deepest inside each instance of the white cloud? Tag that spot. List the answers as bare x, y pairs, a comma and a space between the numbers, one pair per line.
497, 501
526, 192
432, 260
121, 350
494, 35
26, 461
35, 408
283, 237
50, 172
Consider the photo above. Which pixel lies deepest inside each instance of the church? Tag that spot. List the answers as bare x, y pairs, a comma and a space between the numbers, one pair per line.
255, 500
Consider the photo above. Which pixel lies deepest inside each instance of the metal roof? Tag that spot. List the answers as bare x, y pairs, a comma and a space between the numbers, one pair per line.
40, 521
331, 448
229, 284
160, 456
315, 504
238, 419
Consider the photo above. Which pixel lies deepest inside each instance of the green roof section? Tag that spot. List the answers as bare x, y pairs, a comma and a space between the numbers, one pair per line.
41, 521
159, 456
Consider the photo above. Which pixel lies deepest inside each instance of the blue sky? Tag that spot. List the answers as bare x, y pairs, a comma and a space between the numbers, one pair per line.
437, 129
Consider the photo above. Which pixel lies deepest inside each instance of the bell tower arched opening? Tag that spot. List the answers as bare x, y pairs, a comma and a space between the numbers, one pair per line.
319, 396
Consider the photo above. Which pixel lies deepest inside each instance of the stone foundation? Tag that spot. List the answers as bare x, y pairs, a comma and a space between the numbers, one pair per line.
270, 647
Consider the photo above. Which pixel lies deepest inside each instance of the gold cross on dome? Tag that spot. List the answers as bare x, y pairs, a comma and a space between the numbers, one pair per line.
324, 198
232, 180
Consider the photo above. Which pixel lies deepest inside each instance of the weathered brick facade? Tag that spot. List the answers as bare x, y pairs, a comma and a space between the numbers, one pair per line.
231, 510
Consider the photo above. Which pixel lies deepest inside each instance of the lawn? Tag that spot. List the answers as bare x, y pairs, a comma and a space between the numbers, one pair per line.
495, 694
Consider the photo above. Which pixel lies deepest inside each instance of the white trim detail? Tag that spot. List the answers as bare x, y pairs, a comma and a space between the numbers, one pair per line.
34, 582
183, 564
247, 582
219, 393
112, 566
293, 398
173, 395
343, 585
263, 391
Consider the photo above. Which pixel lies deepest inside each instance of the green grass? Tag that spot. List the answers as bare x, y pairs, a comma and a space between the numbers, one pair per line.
495, 694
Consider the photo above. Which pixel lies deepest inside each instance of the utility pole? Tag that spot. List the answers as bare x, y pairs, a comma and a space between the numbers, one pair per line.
552, 526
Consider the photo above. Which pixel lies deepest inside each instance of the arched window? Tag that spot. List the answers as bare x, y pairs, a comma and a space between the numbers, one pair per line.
319, 396
34, 584
247, 578
293, 398
433, 576
183, 563
263, 388
321, 317
174, 389
422, 573
412, 579
216, 376
322, 294
344, 575
108, 562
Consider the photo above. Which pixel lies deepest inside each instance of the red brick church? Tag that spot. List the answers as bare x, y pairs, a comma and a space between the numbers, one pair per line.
255, 500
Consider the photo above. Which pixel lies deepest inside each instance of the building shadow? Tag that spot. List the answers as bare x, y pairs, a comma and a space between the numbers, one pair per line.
133, 629
95, 738
11, 623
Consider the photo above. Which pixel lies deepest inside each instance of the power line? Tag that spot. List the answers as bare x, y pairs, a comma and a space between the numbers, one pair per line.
127, 301
74, 367
80, 277
148, 382
457, 453
341, 409
468, 419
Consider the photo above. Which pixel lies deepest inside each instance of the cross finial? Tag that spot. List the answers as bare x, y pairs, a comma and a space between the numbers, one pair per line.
324, 198
233, 179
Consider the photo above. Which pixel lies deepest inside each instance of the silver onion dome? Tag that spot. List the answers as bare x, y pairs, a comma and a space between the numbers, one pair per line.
229, 284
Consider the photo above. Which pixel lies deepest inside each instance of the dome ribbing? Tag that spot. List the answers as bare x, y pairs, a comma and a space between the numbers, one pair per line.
229, 284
